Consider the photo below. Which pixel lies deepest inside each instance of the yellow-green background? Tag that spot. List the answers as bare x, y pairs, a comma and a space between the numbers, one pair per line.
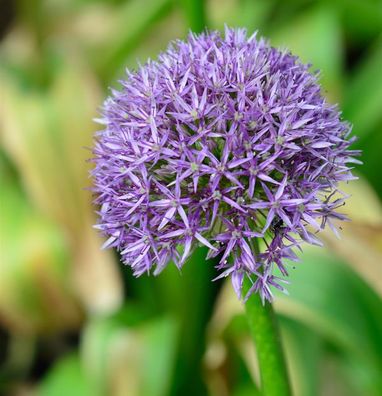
73, 320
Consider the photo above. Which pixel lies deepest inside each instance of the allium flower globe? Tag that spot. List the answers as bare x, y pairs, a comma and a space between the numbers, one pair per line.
224, 142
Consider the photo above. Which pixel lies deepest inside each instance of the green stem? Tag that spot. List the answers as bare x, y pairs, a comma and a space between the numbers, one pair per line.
264, 331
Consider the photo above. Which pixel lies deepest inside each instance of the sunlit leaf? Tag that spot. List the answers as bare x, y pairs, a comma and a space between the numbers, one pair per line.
328, 300
304, 349
35, 293
315, 36
326, 296
45, 134
362, 234
131, 26
247, 13
123, 359
65, 377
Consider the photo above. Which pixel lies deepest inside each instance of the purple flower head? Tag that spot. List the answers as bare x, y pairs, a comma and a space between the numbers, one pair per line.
224, 142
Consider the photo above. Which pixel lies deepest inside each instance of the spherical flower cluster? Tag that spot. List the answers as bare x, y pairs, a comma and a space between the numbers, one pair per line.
224, 142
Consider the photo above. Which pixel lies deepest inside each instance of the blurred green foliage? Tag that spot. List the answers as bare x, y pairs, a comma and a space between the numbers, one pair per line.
73, 321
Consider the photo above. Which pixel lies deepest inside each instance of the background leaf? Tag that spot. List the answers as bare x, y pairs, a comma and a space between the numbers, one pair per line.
67, 375
122, 359
316, 36
70, 314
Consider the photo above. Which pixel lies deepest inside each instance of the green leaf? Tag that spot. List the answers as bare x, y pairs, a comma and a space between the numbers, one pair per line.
160, 340
362, 107
132, 26
362, 104
34, 280
245, 13
195, 14
363, 94
66, 377
331, 299
362, 19
190, 294
315, 36
55, 173
304, 353
130, 359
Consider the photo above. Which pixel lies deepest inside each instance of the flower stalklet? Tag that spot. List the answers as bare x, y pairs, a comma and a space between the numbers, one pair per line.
224, 142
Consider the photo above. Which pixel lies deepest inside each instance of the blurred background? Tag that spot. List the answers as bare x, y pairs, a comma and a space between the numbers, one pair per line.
73, 321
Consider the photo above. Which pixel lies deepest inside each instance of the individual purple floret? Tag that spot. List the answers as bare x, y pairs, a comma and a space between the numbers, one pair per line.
224, 142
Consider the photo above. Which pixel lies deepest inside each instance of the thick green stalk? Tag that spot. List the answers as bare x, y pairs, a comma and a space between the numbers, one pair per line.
264, 331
